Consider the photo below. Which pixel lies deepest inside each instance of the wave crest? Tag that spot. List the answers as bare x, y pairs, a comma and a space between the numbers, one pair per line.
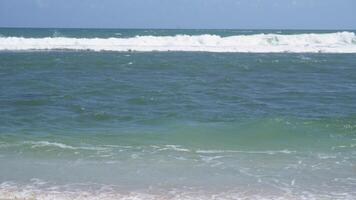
339, 42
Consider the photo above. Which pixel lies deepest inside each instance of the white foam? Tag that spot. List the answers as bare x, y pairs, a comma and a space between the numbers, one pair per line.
175, 148
46, 143
170, 147
9, 190
38, 144
286, 151
339, 42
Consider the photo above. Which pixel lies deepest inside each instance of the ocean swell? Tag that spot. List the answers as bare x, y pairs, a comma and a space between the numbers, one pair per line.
339, 42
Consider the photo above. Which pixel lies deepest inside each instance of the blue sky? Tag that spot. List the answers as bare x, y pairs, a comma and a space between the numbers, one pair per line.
275, 14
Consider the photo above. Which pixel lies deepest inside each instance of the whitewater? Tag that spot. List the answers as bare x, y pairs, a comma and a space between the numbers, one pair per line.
337, 42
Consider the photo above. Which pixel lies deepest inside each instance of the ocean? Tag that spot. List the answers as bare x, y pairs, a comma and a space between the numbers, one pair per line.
177, 114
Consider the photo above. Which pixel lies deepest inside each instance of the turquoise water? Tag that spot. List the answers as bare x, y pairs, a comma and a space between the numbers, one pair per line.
175, 125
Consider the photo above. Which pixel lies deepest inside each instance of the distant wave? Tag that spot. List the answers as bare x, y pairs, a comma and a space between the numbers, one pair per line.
339, 42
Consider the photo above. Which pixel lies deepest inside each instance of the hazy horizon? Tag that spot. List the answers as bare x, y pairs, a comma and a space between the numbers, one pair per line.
138, 28
180, 14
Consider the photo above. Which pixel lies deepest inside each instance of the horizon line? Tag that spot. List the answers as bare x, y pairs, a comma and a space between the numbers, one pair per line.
179, 28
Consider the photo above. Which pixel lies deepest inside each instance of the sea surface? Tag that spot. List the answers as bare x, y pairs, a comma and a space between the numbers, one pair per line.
177, 114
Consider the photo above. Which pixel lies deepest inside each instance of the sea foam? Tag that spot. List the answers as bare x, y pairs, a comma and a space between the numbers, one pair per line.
338, 42
40, 191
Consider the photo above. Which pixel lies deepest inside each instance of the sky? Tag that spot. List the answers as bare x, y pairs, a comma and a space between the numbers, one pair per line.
234, 14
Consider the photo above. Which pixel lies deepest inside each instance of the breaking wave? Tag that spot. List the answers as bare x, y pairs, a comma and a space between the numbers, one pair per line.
339, 42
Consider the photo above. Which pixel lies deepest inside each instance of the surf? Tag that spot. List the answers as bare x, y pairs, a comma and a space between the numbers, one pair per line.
338, 42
